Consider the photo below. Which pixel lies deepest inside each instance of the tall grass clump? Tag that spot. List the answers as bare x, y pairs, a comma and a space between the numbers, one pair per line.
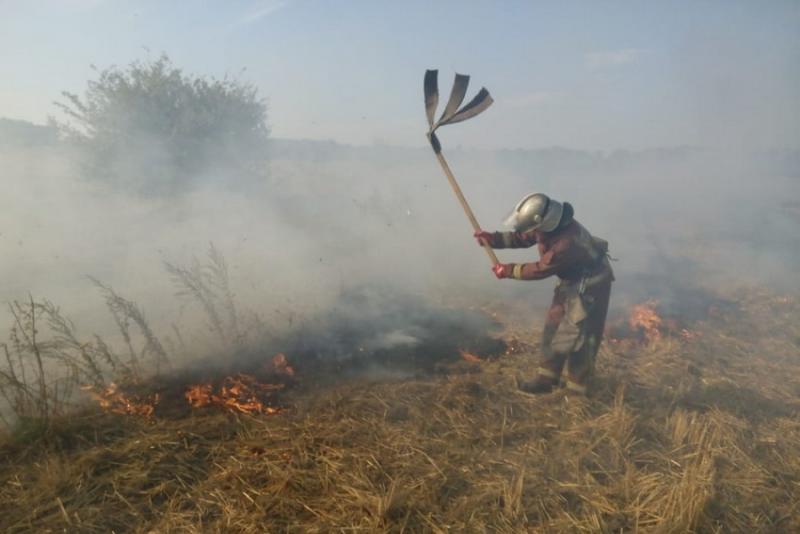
44, 362
126, 314
208, 284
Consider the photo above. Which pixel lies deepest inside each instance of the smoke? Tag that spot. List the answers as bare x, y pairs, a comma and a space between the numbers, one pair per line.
310, 245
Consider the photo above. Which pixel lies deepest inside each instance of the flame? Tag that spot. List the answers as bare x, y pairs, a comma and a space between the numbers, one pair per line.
280, 365
112, 400
239, 393
644, 319
468, 356
199, 395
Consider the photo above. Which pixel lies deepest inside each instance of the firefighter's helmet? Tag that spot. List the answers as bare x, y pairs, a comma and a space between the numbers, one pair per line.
535, 211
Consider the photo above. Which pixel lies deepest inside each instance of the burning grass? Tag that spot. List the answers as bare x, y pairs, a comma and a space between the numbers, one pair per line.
683, 434
111, 399
240, 393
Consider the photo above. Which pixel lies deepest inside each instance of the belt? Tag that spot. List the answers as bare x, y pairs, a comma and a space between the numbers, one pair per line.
599, 273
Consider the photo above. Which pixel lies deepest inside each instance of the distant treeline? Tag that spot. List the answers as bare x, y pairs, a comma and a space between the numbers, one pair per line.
558, 160
539, 161
16, 133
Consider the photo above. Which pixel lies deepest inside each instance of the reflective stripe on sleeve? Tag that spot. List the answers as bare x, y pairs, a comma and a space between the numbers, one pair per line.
516, 273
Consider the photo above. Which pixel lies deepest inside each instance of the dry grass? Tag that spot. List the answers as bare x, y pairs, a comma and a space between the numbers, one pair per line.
700, 435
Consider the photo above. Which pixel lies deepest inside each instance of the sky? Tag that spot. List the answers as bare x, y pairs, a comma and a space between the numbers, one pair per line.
584, 75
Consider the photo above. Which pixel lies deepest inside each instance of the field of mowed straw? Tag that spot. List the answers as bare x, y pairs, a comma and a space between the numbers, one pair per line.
692, 433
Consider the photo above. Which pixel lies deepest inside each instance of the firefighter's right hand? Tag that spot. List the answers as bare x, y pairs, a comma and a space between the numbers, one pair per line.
483, 237
503, 270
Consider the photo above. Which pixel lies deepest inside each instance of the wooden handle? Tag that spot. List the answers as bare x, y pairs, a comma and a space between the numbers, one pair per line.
465, 205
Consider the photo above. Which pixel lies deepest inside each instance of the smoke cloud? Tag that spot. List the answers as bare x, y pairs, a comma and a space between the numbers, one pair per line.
332, 220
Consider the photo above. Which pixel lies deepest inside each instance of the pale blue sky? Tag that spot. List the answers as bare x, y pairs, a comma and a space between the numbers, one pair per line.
591, 75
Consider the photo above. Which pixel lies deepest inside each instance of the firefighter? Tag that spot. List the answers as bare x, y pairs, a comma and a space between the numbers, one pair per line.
575, 321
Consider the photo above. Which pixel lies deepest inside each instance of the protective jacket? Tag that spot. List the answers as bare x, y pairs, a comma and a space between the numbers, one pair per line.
570, 252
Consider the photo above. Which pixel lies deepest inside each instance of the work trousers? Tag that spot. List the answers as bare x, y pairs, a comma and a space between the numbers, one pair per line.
573, 332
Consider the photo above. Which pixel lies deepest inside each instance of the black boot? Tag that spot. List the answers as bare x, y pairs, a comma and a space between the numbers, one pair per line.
537, 386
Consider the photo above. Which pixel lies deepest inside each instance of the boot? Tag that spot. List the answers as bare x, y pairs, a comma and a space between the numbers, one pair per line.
538, 385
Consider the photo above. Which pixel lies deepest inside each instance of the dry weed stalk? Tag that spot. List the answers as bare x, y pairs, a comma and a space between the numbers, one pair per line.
209, 284
124, 312
41, 374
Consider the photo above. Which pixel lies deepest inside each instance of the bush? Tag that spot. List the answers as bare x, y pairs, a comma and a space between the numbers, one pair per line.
151, 129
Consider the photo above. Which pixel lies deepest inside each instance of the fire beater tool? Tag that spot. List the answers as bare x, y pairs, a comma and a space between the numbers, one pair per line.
452, 115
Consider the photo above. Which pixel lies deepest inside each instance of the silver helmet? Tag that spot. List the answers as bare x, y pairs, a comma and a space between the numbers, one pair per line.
535, 211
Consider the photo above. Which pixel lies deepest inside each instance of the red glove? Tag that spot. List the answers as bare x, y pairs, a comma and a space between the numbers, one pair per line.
503, 270
483, 237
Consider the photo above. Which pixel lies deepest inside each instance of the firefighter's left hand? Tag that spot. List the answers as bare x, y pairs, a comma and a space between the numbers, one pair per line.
483, 237
503, 270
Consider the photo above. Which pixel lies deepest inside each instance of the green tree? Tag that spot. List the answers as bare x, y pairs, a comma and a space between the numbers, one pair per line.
151, 129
